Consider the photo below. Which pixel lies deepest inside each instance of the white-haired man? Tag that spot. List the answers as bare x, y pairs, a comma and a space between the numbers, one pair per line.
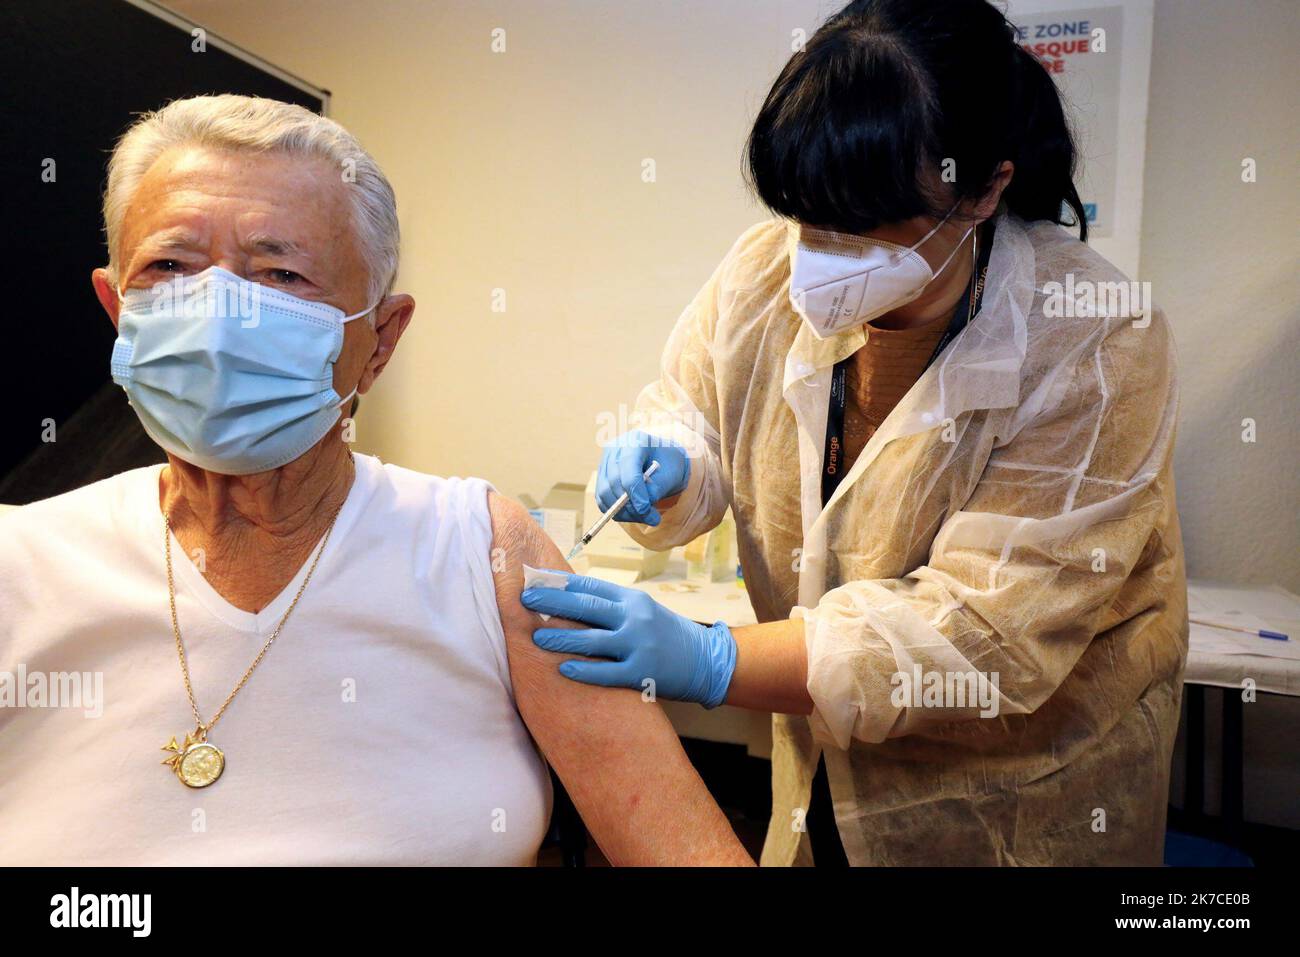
329, 651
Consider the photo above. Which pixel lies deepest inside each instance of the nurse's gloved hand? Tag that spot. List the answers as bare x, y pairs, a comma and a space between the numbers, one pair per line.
622, 469
643, 640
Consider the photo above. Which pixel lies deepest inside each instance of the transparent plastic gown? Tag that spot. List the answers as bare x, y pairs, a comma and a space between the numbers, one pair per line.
1014, 517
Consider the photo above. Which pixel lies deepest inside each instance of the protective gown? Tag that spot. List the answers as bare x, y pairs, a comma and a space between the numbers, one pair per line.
1013, 517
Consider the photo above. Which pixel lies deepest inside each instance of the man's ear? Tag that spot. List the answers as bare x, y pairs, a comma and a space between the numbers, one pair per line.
392, 316
106, 293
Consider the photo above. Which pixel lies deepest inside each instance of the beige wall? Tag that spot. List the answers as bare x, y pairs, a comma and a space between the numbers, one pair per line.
1221, 256
522, 171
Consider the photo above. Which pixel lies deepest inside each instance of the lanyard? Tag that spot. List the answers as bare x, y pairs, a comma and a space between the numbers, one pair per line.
967, 306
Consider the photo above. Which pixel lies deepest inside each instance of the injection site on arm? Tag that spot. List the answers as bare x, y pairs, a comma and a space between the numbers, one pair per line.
616, 753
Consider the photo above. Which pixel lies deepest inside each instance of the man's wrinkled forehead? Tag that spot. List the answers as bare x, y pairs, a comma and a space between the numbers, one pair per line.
280, 204
182, 237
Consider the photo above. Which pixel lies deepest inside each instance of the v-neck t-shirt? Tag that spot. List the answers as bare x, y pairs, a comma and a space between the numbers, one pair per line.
379, 729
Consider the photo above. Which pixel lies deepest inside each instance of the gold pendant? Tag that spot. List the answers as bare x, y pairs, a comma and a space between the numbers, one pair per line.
195, 762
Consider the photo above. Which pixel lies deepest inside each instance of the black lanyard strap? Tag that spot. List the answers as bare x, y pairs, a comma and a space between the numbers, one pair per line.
967, 306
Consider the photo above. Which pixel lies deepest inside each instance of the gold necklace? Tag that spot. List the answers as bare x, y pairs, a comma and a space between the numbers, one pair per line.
197, 762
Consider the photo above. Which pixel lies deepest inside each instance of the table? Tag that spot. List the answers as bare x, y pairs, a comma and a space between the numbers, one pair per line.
1211, 665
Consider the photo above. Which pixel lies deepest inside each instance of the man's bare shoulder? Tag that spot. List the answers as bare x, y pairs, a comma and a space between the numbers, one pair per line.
516, 538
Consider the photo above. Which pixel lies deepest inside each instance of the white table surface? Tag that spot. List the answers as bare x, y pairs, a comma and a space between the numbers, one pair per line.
705, 602
1225, 664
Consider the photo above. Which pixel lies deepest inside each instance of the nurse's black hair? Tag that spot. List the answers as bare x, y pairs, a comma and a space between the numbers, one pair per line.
855, 130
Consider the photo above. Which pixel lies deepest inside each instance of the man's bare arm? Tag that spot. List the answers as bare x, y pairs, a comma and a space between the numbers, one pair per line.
618, 756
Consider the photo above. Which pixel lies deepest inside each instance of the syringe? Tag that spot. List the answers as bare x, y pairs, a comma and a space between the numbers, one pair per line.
604, 519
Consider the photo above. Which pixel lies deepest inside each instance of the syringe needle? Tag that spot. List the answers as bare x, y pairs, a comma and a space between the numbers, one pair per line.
606, 516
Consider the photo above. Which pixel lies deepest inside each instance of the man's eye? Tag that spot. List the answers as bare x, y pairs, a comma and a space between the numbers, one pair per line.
166, 265
284, 276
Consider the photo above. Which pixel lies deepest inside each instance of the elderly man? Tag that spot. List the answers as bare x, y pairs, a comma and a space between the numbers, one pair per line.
327, 653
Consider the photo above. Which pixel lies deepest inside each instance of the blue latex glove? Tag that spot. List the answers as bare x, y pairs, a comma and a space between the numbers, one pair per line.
622, 469
687, 661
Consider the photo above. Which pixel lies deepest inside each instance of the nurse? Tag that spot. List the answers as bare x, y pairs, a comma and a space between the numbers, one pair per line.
952, 483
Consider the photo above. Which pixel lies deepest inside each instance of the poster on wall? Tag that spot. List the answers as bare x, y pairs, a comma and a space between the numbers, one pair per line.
1073, 46
1099, 55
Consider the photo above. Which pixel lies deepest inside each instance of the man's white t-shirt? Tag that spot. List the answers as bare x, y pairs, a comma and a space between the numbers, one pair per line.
379, 729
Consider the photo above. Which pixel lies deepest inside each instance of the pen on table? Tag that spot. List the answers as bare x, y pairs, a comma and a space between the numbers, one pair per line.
604, 519
1261, 632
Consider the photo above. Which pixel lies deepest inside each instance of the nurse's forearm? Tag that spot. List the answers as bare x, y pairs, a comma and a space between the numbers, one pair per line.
771, 669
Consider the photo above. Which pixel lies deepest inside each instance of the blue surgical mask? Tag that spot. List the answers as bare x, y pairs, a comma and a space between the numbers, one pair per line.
229, 375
